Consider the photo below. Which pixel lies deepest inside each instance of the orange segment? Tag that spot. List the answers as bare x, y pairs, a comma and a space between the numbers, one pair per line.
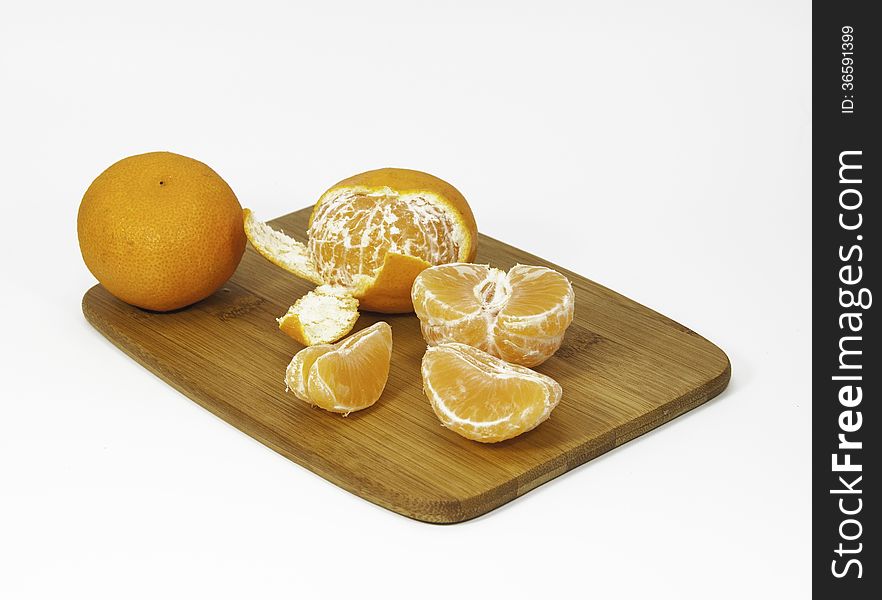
297, 374
520, 316
483, 398
347, 376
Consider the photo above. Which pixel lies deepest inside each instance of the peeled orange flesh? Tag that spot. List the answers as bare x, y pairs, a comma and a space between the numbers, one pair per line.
351, 234
519, 316
373, 233
343, 377
359, 222
483, 398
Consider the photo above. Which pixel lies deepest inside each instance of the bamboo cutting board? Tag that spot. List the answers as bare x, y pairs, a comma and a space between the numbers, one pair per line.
624, 369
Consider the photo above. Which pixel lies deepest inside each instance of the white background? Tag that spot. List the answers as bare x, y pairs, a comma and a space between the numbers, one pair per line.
659, 148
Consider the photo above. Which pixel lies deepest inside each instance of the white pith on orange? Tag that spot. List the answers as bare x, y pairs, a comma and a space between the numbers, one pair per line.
520, 316
280, 249
373, 233
484, 398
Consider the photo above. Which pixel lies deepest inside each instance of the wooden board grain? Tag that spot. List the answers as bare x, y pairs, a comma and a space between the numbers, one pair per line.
624, 369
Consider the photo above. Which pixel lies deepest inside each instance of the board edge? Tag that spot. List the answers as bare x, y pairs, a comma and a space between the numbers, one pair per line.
494, 498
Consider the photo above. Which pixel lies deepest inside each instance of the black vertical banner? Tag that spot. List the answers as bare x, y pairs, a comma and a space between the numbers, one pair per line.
846, 225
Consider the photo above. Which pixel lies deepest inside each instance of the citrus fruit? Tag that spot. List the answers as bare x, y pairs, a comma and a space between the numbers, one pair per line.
519, 316
343, 377
484, 398
372, 233
320, 317
160, 230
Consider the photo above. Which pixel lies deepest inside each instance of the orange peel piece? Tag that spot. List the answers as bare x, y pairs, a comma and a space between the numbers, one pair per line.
389, 290
322, 316
280, 249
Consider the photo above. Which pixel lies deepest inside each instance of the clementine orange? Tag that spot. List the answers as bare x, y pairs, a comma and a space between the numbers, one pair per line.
160, 230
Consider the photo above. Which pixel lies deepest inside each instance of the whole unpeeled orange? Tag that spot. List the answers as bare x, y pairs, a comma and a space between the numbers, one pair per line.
160, 230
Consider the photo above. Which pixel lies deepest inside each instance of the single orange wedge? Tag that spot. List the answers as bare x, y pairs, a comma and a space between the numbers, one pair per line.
343, 377
483, 398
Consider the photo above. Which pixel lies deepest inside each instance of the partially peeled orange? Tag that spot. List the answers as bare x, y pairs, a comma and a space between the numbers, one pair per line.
370, 235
